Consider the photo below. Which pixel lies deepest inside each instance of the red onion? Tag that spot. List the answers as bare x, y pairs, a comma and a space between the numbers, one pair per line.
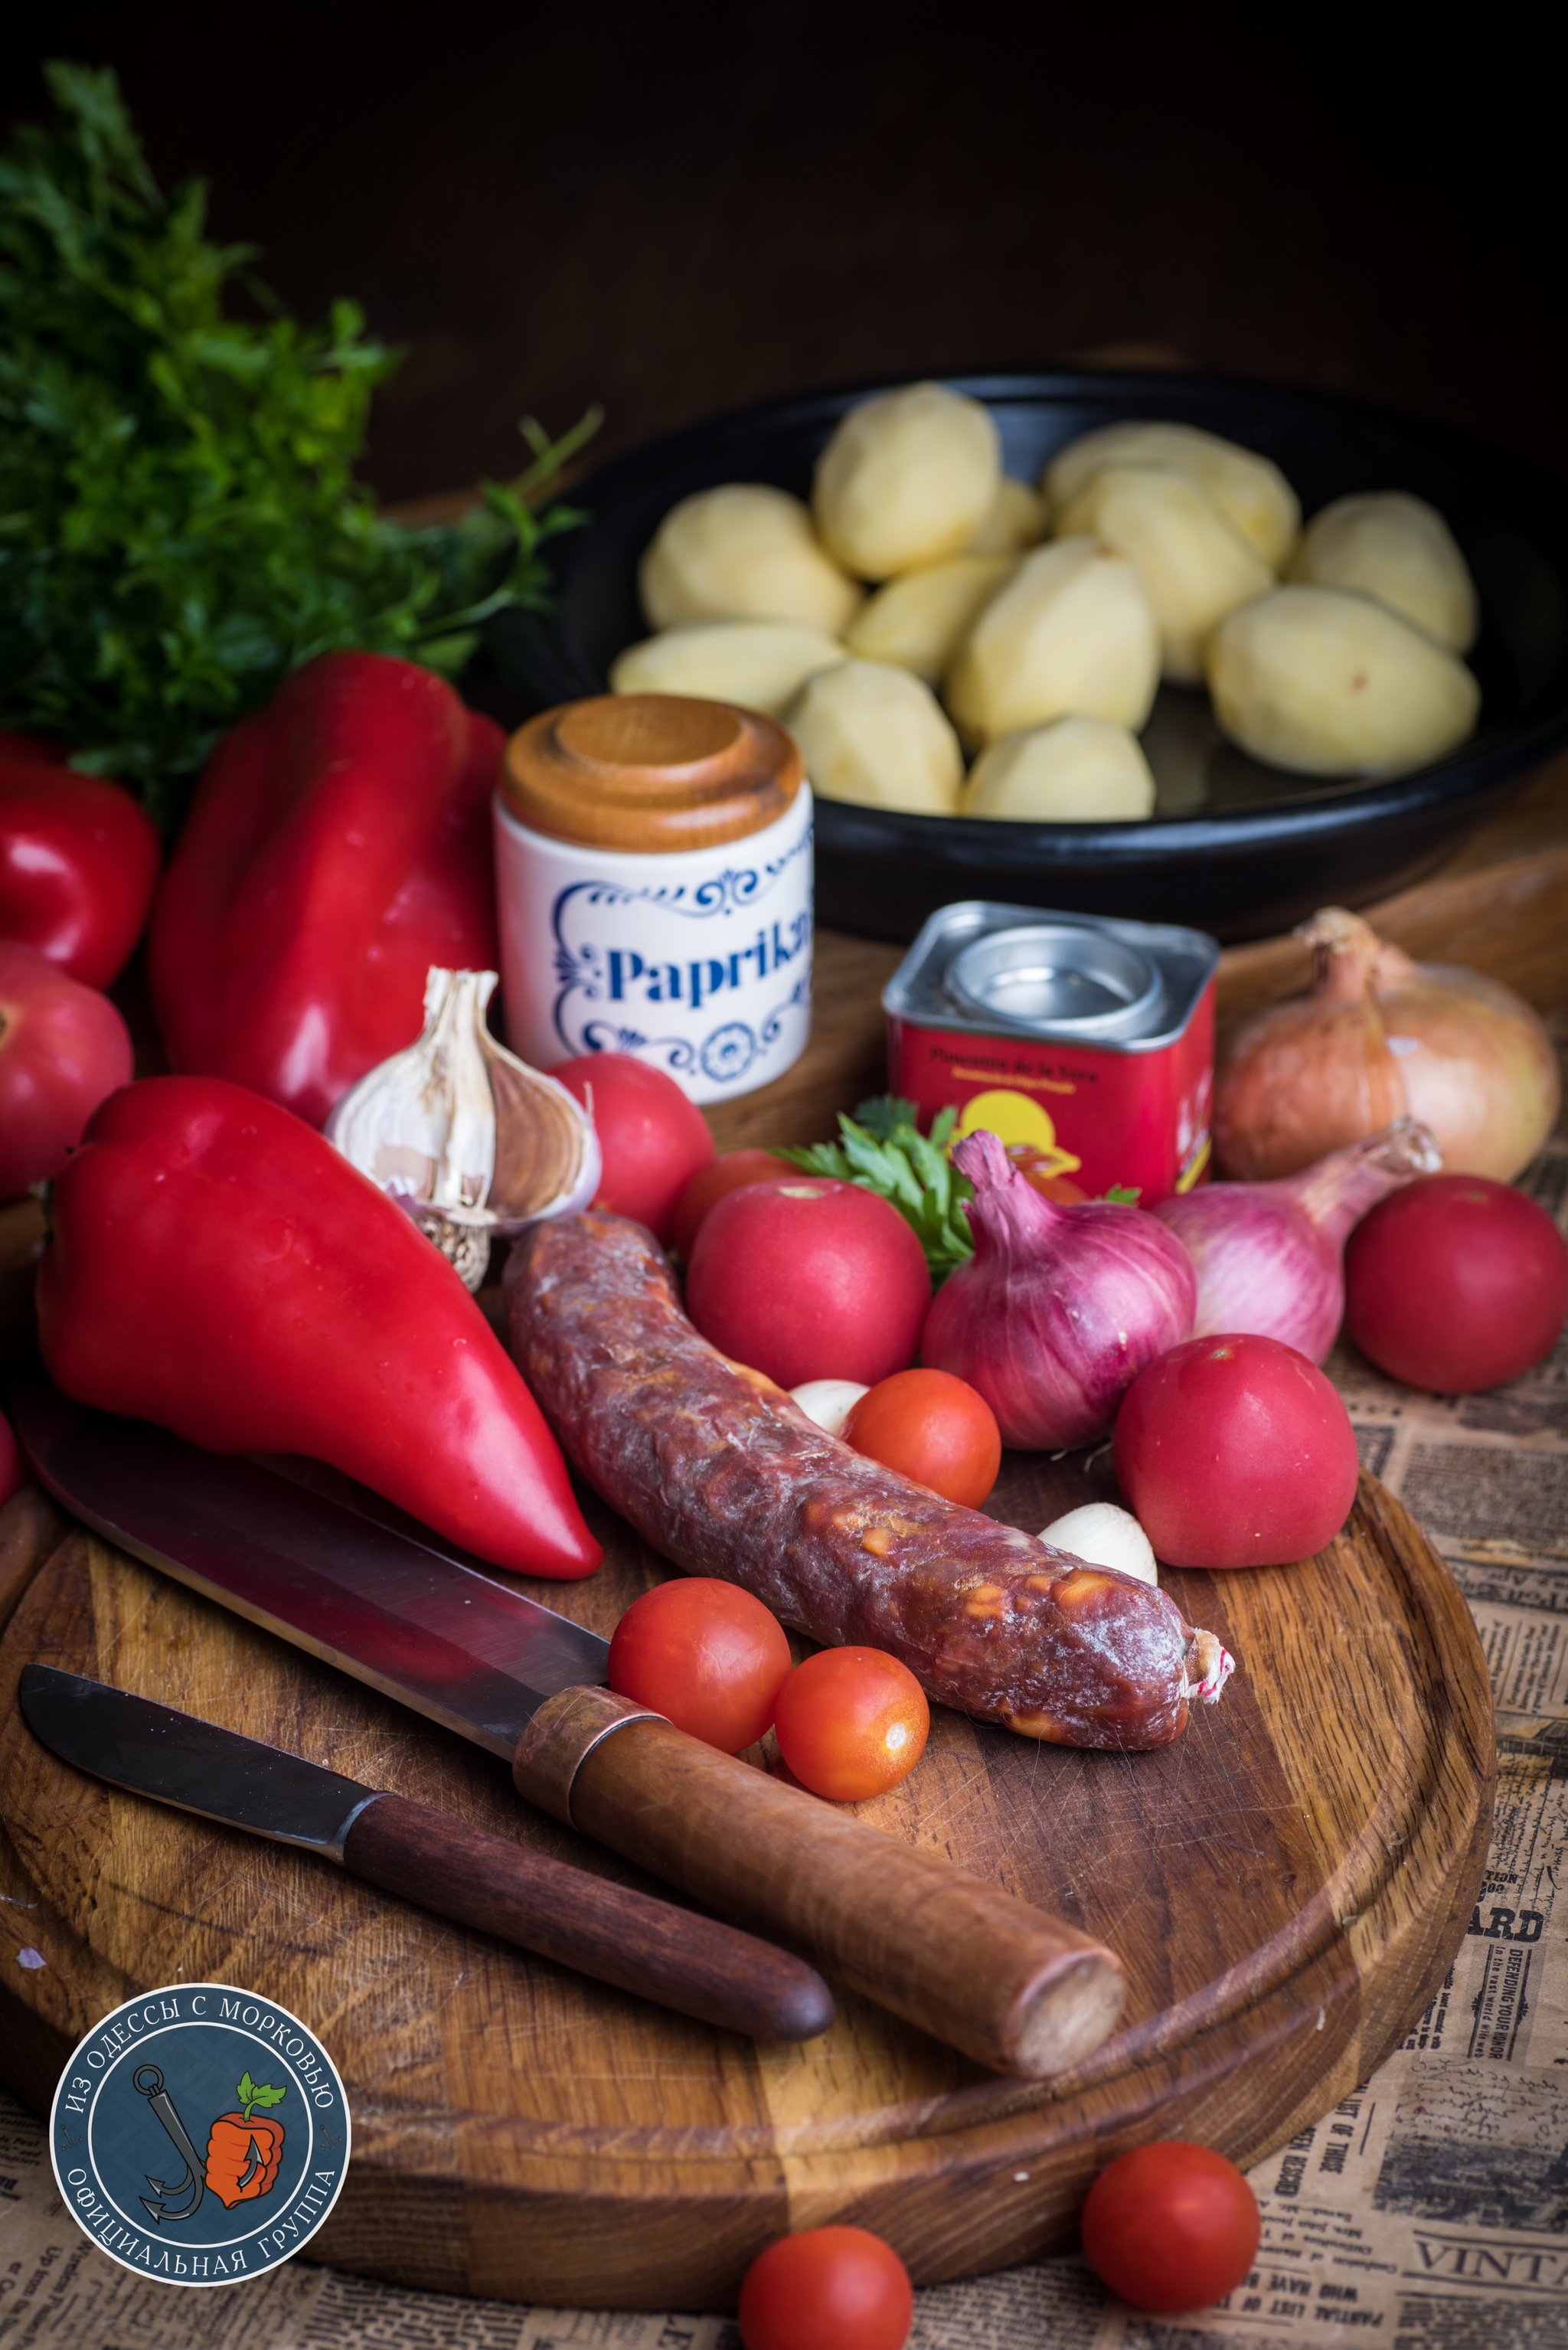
1059, 1308
1270, 1255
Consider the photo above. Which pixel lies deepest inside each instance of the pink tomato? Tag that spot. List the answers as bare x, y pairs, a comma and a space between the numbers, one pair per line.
731, 1172
63, 1048
653, 1138
809, 1279
1235, 1452
1456, 1283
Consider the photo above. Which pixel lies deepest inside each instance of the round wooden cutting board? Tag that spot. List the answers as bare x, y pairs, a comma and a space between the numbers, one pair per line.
1286, 1886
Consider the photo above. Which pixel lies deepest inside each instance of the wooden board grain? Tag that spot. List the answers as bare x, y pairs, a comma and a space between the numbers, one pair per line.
1286, 1885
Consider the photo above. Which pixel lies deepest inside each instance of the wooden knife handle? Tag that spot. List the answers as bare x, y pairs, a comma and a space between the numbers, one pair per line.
693, 1964
1015, 1988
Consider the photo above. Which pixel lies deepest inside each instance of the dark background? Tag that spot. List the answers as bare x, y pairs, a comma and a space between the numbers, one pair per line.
676, 209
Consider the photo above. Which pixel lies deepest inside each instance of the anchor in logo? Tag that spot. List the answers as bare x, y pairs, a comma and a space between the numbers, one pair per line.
243, 2154
148, 2082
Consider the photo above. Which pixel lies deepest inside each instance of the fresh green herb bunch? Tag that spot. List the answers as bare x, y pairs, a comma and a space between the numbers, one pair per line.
179, 524
883, 1150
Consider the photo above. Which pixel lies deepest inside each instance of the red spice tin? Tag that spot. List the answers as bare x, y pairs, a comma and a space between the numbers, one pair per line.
1090, 1039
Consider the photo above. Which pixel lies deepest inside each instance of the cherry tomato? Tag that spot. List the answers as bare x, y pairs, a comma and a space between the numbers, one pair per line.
933, 1428
653, 1139
1171, 2226
63, 1049
1456, 1283
733, 1172
851, 1722
827, 2289
706, 1654
1235, 1452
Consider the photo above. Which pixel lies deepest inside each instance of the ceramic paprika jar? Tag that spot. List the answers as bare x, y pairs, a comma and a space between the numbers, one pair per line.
653, 869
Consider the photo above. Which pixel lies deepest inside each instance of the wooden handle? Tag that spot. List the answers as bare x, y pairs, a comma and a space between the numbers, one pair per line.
691, 1963
1012, 1987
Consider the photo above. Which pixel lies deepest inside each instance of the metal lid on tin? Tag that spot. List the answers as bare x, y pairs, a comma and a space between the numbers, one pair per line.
1059, 978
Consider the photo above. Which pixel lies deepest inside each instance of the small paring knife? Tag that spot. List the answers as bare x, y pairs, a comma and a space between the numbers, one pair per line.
391, 1602
673, 1956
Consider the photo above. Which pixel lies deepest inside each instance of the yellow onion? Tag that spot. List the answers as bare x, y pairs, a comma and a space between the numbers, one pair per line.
1378, 1037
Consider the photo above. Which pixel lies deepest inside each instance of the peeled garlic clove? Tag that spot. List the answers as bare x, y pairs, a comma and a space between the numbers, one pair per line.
827, 1401
1103, 1535
463, 1134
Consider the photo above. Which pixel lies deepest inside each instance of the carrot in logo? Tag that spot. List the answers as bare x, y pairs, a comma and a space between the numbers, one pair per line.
244, 2154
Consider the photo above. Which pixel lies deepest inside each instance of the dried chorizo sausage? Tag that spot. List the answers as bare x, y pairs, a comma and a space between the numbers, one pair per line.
719, 1472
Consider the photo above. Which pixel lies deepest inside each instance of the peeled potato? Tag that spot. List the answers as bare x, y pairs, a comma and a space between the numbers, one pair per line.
1327, 682
743, 553
1250, 491
906, 479
1072, 633
1398, 550
917, 621
1077, 770
1194, 565
758, 664
1015, 522
876, 735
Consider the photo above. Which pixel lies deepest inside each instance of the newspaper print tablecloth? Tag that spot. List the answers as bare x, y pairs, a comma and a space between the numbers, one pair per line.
1430, 2211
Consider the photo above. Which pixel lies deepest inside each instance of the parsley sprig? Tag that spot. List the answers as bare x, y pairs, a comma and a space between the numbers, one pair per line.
180, 522
883, 1150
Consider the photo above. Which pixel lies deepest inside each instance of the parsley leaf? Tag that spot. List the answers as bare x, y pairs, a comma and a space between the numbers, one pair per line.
882, 1150
180, 523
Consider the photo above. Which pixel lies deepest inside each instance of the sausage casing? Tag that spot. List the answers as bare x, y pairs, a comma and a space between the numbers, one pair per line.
720, 1472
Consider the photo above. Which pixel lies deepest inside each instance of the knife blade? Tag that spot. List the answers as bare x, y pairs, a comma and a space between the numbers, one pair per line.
673, 1956
1009, 1985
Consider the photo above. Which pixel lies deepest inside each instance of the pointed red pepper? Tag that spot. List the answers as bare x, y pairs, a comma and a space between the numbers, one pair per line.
338, 845
216, 1266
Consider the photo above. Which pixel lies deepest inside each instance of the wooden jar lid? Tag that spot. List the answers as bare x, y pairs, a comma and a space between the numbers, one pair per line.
654, 772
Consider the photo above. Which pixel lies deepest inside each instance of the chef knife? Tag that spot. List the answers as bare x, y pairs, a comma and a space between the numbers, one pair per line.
682, 1960
1016, 1989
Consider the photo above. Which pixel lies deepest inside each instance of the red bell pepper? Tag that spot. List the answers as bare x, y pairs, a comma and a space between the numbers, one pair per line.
78, 861
216, 1266
338, 845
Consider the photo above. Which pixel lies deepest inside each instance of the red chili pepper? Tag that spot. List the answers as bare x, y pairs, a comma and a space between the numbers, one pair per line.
216, 1266
78, 860
338, 845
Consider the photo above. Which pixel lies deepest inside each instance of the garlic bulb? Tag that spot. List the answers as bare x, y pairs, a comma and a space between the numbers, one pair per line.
1106, 1536
467, 1137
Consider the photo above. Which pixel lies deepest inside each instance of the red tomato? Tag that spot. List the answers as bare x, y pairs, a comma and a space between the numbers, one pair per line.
706, 1654
1171, 2226
827, 2289
1235, 1452
851, 1722
933, 1428
733, 1172
652, 1136
79, 859
809, 1279
12, 1468
63, 1048
1456, 1283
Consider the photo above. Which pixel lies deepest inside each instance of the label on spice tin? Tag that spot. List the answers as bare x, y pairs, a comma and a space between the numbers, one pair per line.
1130, 1111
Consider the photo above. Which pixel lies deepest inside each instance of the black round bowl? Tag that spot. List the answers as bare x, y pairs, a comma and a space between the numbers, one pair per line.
1233, 847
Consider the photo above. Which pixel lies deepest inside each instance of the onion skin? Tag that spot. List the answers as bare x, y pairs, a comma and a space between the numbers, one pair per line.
1379, 1036
1059, 1308
1269, 1256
